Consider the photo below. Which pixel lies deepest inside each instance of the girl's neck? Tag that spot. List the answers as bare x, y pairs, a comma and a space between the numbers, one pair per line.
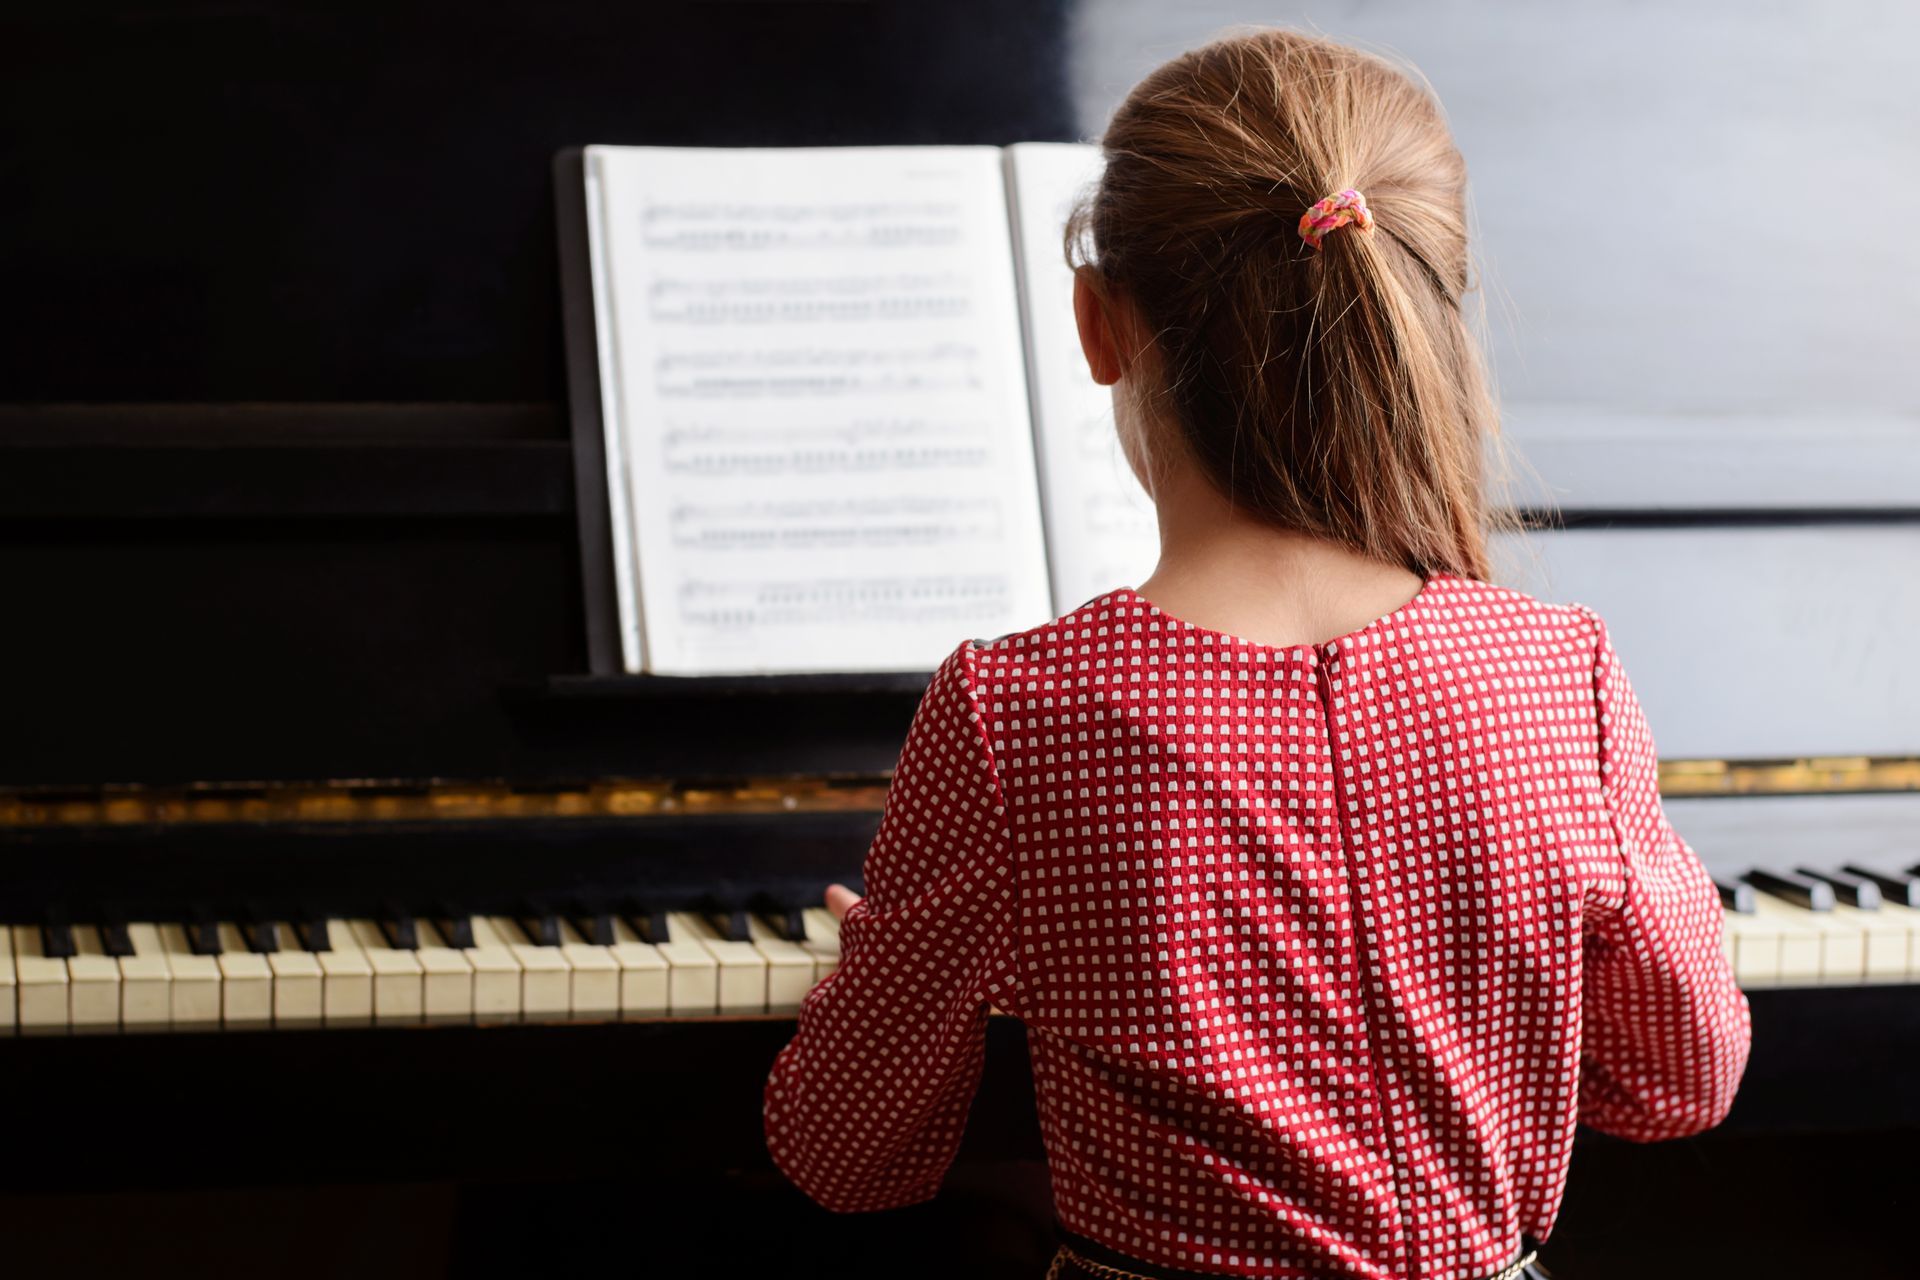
1222, 570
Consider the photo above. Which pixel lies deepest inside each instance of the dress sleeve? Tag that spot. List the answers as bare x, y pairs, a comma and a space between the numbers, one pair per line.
1665, 1028
865, 1107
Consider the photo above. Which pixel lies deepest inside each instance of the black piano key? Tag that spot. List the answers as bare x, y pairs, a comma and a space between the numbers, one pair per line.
456, 927
1855, 891
596, 928
203, 933
398, 928
794, 924
541, 927
262, 935
1735, 896
649, 923
56, 937
114, 939
1814, 895
732, 924
313, 935
1894, 887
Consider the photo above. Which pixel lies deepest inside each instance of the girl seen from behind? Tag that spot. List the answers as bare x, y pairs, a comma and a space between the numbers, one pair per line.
1330, 878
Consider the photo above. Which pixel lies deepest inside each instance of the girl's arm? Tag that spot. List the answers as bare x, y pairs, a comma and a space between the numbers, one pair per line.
1665, 1030
864, 1108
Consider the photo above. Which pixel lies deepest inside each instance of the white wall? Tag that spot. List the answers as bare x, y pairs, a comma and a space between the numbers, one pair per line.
1707, 207
1698, 232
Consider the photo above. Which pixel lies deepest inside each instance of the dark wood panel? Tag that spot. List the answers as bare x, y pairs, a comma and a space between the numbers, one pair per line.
305, 201
286, 482
163, 871
429, 1103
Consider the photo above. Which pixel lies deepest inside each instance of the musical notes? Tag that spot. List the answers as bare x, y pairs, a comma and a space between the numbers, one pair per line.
827, 452
733, 612
860, 446
735, 226
812, 371
836, 524
1101, 532
843, 299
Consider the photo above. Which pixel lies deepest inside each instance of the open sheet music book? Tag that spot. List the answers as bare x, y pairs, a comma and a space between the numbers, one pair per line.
840, 402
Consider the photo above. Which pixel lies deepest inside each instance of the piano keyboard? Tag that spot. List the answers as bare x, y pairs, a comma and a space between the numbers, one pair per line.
1804, 927
1809, 927
213, 975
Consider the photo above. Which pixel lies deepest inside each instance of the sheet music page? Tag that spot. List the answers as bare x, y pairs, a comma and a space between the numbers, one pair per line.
626, 579
1099, 522
822, 405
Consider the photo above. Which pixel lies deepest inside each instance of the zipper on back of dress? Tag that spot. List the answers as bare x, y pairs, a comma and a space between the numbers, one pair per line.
1325, 656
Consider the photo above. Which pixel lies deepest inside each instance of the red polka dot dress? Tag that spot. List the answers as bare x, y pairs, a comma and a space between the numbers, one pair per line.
1322, 950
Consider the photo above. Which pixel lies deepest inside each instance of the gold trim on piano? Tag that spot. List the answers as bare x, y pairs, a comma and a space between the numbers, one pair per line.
374, 800
362, 800
1811, 775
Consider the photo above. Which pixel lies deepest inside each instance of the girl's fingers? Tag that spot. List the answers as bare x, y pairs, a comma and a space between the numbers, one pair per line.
840, 899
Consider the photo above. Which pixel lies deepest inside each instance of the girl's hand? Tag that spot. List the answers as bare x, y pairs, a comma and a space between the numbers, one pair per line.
840, 900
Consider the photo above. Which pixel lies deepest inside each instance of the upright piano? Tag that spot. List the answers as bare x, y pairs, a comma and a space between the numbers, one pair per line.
327, 858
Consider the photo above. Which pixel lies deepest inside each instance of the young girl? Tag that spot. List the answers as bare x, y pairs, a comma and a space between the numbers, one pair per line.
1330, 880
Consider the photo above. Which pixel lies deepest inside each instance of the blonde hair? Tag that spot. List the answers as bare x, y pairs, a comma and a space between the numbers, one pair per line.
1336, 391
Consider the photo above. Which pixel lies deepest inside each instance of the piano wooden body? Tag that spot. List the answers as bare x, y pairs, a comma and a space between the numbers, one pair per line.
327, 859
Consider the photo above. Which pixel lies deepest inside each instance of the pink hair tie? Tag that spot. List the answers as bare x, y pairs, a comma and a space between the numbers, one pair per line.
1332, 212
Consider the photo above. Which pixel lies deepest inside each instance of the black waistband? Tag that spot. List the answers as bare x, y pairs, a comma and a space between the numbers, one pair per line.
1094, 1251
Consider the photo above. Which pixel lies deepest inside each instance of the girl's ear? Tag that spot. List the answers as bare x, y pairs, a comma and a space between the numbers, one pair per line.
1098, 339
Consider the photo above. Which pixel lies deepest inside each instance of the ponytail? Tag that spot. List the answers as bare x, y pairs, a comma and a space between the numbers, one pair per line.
1332, 389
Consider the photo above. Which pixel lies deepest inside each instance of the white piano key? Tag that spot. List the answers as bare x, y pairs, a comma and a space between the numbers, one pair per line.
9, 989
246, 982
1870, 946
146, 982
789, 966
823, 941
399, 993
743, 970
299, 983
1893, 943
1755, 945
194, 982
1910, 916
1802, 942
346, 979
1843, 947
447, 977
1842, 941
546, 980
41, 984
93, 983
596, 976
645, 976
693, 975
496, 975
